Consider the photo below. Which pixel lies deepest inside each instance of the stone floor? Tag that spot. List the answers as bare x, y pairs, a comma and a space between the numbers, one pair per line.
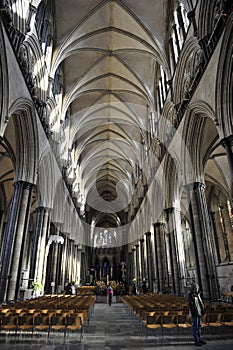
115, 328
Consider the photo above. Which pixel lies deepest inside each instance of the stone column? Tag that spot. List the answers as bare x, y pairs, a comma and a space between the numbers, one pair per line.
150, 266
174, 255
56, 259
228, 231
31, 14
157, 267
220, 246
227, 143
83, 268
46, 252
142, 252
138, 277
161, 255
19, 239
59, 276
68, 257
111, 272
64, 275
51, 260
42, 247
35, 243
181, 22
9, 238
199, 219
100, 271
79, 265
130, 268
2, 228
54, 265
133, 264
75, 261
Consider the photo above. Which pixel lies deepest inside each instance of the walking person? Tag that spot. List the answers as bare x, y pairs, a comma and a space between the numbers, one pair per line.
196, 308
110, 294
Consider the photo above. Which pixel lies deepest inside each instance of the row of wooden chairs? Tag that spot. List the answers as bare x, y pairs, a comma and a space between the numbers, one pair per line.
176, 320
42, 323
43, 303
171, 312
47, 313
54, 301
86, 290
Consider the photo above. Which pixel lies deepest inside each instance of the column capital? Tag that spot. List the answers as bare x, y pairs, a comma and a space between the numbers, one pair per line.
227, 141
18, 184
169, 210
29, 186
158, 224
26, 185
148, 234
40, 209
136, 245
194, 186
142, 240
191, 15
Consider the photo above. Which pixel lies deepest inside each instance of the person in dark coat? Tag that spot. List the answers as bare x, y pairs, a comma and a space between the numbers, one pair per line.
134, 291
196, 308
68, 289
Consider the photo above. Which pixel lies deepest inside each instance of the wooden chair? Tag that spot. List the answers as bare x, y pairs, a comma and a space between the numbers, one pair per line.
228, 319
154, 322
183, 322
74, 324
26, 323
169, 322
214, 320
10, 323
42, 323
58, 324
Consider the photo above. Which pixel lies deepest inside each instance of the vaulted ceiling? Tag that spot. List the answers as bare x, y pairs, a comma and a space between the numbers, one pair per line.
109, 51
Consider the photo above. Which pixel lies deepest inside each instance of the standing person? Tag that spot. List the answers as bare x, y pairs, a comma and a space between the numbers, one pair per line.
144, 289
68, 289
110, 294
196, 308
73, 289
134, 291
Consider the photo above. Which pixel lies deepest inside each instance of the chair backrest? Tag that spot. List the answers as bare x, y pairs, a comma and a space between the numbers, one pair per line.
25, 320
183, 319
74, 320
169, 319
58, 320
228, 317
9, 320
41, 320
214, 317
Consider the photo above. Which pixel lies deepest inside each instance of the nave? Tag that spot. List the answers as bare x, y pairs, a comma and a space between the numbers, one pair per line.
114, 328
116, 145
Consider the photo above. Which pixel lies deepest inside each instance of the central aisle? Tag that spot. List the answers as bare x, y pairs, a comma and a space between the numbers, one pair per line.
115, 328
112, 324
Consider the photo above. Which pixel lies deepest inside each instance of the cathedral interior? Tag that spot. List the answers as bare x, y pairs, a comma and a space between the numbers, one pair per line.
116, 141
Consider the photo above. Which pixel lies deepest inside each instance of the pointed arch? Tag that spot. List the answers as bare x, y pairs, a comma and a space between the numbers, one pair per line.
23, 118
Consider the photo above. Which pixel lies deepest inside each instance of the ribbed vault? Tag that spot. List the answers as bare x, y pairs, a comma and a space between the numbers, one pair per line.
108, 52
